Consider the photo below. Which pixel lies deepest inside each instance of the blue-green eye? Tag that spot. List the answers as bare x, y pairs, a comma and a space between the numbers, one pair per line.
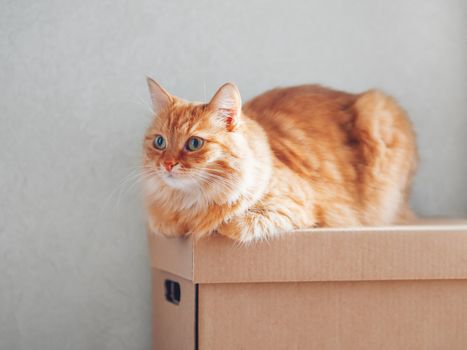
194, 143
159, 142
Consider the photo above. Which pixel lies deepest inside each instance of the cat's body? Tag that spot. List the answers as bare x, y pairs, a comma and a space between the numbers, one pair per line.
292, 158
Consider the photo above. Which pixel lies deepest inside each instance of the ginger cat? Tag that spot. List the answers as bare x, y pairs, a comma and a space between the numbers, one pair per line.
291, 158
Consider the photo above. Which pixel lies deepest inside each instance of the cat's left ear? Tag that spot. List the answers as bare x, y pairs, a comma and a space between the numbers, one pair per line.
227, 104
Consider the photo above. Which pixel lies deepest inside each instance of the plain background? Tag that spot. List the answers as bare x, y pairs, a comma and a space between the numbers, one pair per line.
73, 107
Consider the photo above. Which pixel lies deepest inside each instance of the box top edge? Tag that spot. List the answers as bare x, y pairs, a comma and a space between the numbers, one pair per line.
319, 255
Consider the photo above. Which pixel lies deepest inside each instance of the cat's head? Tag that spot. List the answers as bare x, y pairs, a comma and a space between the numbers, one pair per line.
192, 146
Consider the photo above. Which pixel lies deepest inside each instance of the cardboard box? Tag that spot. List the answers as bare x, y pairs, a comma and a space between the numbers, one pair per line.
400, 287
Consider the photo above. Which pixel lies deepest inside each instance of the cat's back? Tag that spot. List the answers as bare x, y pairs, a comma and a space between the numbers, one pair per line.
303, 118
298, 100
313, 109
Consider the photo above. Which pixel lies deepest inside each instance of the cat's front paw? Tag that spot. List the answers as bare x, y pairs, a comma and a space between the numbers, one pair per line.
167, 230
249, 227
231, 229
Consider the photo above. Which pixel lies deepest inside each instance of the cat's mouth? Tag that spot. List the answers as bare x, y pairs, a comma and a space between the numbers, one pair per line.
178, 181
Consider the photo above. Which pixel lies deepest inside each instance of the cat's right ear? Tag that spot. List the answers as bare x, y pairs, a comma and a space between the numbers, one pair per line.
227, 105
161, 99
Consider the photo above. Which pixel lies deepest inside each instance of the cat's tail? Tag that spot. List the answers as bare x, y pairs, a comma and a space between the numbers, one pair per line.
388, 157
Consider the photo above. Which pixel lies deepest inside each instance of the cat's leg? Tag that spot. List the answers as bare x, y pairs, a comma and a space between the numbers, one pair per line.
405, 215
388, 151
288, 205
256, 224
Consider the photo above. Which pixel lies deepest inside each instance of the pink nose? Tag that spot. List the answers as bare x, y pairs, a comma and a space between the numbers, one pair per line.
169, 164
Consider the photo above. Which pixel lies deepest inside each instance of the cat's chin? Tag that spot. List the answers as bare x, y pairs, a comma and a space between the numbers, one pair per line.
179, 183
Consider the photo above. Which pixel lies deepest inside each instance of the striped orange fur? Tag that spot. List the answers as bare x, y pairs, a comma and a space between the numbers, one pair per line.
291, 158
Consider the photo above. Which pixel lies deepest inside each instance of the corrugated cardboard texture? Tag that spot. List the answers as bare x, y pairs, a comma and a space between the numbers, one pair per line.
392, 315
357, 254
173, 325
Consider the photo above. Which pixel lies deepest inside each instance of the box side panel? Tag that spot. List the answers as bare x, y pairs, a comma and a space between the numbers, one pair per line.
366, 254
173, 323
390, 315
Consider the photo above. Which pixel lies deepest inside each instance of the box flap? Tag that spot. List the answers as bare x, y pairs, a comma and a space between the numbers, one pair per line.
434, 251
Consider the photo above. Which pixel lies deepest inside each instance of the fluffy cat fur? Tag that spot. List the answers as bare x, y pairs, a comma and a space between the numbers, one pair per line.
291, 158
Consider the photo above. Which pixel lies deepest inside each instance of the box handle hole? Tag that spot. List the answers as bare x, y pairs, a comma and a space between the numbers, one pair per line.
172, 292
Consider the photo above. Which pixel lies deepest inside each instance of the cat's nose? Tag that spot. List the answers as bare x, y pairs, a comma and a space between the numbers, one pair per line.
169, 164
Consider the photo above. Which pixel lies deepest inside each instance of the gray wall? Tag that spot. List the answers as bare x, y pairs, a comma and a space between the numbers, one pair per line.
73, 262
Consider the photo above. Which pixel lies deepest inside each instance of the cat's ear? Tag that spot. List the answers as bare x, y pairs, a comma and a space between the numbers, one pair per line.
161, 99
227, 104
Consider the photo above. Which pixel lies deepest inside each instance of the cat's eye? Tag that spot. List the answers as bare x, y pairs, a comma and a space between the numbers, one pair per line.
159, 142
194, 143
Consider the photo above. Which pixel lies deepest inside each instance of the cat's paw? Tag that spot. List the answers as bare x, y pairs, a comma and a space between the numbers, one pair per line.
232, 229
254, 227
167, 230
